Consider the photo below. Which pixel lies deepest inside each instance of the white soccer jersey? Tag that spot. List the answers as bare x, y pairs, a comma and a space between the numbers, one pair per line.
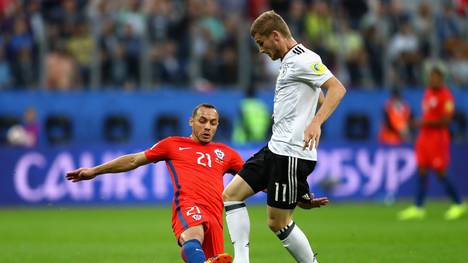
296, 95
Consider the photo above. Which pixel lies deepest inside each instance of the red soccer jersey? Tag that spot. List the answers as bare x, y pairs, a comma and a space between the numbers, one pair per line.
197, 170
432, 146
436, 104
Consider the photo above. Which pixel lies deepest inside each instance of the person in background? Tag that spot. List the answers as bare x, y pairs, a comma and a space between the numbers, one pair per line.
432, 147
397, 116
25, 134
254, 120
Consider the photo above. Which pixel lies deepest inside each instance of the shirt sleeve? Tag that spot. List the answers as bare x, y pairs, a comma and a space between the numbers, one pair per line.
235, 162
449, 105
159, 151
312, 71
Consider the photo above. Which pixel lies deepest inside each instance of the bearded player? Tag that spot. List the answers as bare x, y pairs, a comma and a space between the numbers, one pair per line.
197, 166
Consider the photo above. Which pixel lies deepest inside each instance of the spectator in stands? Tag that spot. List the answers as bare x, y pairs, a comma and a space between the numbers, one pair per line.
229, 48
458, 65
374, 44
165, 67
200, 28
355, 10
132, 16
398, 15
21, 50
131, 48
120, 67
350, 45
160, 19
211, 21
447, 26
25, 134
403, 52
5, 71
107, 46
227, 67
69, 15
81, 46
61, 69
395, 129
377, 17
296, 18
318, 21
423, 23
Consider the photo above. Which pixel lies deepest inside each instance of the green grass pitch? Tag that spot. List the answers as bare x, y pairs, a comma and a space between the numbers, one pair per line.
340, 233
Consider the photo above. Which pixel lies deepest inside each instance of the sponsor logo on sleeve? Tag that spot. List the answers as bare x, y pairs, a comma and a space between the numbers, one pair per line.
449, 106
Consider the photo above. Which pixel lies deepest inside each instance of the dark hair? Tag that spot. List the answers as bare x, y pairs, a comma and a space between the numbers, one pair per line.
437, 70
202, 105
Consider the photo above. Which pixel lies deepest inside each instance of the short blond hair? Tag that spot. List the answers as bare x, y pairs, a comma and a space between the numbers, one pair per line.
268, 21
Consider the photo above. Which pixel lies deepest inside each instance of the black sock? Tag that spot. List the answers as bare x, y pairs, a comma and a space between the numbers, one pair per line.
421, 190
450, 189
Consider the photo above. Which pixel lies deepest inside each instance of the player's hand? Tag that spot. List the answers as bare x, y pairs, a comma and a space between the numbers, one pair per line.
81, 174
314, 203
312, 135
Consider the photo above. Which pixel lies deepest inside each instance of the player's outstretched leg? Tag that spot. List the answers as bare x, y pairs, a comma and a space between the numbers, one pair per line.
221, 258
237, 217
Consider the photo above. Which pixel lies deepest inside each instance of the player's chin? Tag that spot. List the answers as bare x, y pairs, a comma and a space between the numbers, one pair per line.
274, 57
206, 138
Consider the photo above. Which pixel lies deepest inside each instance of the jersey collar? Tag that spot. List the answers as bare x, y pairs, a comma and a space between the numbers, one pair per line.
287, 54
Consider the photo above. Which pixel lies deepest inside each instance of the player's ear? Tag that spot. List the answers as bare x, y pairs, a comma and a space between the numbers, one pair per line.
190, 122
276, 35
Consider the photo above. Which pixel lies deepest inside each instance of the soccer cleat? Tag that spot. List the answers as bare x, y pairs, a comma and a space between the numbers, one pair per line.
220, 258
455, 212
411, 213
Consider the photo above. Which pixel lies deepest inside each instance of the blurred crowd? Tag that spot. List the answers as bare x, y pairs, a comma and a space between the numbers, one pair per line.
205, 44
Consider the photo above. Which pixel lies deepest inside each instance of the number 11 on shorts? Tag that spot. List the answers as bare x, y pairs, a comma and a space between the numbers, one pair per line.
277, 186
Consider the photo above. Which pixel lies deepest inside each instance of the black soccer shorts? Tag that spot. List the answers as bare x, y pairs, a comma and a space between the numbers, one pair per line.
284, 177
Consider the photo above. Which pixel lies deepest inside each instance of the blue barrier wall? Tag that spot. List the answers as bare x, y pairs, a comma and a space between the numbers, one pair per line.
344, 172
88, 109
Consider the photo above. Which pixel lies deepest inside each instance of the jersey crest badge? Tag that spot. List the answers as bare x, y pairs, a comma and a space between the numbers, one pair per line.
318, 68
219, 154
197, 217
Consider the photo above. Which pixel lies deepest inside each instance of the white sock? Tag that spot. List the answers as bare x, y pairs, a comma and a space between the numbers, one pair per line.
296, 243
238, 223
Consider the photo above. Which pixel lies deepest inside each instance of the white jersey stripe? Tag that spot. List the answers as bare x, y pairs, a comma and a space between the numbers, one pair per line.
294, 179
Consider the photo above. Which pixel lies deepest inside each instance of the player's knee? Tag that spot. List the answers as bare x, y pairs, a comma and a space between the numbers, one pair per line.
276, 225
194, 232
228, 196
